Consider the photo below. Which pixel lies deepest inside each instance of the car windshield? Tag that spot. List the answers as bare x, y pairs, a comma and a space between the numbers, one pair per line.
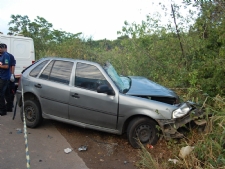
122, 82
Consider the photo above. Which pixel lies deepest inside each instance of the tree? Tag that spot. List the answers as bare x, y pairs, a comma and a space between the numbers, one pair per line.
40, 30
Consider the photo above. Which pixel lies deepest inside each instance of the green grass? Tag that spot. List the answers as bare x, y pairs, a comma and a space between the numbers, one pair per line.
209, 145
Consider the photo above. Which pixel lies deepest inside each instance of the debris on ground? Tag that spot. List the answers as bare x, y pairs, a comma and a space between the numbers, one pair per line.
175, 161
67, 150
125, 162
19, 130
149, 146
49, 136
82, 148
185, 151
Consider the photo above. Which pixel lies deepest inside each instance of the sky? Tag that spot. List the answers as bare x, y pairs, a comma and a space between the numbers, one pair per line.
98, 19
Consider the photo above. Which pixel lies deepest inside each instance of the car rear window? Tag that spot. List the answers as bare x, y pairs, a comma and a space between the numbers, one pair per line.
58, 71
38, 68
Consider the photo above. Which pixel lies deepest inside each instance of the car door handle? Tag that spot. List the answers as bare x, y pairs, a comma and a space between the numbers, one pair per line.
38, 86
75, 95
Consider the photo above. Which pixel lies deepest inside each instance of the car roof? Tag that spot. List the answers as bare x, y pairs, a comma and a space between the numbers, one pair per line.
69, 59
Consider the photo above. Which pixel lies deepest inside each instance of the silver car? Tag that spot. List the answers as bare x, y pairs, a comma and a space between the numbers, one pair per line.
89, 95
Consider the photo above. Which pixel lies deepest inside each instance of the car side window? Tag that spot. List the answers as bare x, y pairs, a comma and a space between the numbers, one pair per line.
58, 71
88, 77
38, 68
46, 72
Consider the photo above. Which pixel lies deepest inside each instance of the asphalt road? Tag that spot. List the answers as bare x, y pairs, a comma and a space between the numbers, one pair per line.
45, 146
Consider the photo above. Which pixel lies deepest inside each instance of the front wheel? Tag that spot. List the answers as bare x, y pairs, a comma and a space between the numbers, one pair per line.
144, 130
32, 113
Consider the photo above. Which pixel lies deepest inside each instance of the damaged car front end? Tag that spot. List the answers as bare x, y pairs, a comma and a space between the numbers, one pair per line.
185, 113
145, 104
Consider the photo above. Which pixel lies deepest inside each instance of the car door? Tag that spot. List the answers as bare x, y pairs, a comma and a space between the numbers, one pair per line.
88, 106
53, 88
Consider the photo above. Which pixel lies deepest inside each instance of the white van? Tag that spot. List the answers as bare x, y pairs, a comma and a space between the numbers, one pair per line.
22, 48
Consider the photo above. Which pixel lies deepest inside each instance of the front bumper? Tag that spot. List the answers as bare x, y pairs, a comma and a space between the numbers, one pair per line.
169, 127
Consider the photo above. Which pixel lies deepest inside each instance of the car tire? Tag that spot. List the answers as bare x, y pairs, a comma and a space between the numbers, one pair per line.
32, 113
144, 130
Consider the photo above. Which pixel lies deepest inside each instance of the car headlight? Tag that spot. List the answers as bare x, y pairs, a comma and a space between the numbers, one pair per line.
181, 111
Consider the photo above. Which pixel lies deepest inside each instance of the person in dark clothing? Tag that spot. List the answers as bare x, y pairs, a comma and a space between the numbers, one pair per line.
10, 90
4, 78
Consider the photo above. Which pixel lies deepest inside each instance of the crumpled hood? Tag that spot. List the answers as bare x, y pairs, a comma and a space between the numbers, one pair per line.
145, 87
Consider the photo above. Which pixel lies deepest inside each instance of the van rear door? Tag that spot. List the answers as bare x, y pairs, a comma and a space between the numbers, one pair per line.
23, 51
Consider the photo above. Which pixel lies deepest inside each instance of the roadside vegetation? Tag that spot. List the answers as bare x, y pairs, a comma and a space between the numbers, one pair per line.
187, 55
208, 144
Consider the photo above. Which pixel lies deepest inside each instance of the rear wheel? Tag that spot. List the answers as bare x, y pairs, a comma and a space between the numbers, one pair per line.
32, 113
144, 130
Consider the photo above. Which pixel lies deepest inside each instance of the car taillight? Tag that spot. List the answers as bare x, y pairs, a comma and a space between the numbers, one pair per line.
33, 61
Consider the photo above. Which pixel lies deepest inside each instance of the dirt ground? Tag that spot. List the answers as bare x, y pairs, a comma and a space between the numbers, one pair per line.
107, 151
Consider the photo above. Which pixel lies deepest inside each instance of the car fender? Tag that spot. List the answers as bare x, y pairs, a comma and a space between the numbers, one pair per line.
132, 106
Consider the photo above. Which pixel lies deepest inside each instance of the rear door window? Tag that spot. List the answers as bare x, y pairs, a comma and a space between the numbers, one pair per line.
46, 72
38, 69
58, 71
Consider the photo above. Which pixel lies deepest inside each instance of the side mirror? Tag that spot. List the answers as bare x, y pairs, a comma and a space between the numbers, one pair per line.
105, 89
